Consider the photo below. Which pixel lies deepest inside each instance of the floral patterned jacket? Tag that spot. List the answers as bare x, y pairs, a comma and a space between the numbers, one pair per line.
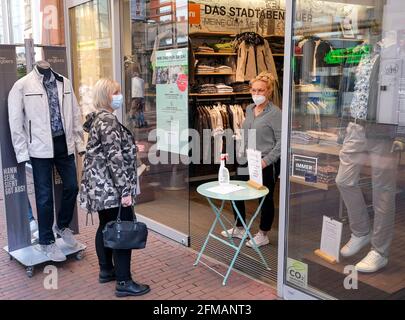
109, 171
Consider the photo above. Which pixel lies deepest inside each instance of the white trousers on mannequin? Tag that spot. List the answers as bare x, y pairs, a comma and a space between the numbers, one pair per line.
356, 151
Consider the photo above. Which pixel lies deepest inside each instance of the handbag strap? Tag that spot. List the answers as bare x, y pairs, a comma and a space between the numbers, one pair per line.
119, 215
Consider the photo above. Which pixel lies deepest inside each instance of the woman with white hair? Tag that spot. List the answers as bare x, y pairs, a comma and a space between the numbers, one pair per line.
109, 182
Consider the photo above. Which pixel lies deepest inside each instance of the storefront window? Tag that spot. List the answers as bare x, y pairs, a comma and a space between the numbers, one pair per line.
40, 20
346, 143
91, 47
156, 89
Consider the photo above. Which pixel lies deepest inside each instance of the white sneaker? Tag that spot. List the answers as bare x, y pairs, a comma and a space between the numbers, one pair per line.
33, 227
354, 245
53, 252
260, 240
67, 236
372, 262
234, 233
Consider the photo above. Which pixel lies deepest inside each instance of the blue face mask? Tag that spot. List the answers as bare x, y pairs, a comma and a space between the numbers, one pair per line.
117, 101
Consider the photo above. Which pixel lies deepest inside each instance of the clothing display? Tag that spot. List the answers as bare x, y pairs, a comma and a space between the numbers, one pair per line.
325, 138
27, 108
300, 137
314, 51
219, 60
203, 68
205, 49
217, 118
326, 174
47, 132
357, 148
240, 86
222, 88
254, 57
223, 47
367, 75
51, 89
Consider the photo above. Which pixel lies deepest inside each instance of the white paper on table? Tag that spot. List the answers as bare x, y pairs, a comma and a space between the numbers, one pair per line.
226, 189
255, 166
331, 237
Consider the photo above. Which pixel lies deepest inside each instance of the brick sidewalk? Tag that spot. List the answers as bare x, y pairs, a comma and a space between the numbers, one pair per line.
165, 265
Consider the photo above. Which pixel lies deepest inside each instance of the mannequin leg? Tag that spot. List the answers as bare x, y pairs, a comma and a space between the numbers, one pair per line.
42, 171
352, 157
384, 165
67, 170
66, 167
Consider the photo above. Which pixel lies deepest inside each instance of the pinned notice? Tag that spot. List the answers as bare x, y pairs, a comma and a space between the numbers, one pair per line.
255, 168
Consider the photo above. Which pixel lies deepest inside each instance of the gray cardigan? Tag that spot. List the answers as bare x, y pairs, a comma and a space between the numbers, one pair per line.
268, 132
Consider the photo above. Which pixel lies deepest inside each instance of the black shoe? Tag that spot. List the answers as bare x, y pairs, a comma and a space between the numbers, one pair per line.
131, 288
106, 276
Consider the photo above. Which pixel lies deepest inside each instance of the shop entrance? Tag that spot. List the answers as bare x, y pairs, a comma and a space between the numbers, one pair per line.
219, 82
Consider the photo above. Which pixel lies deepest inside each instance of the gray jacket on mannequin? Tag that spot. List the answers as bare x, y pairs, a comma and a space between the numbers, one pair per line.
29, 117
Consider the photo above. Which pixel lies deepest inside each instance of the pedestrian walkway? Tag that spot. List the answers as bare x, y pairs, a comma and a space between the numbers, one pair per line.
164, 264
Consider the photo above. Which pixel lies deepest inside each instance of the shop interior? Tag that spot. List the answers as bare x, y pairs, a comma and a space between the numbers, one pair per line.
328, 61
168, 192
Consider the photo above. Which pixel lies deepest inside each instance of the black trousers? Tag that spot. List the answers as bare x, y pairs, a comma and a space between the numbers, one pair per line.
106, 256
270, 176
43, 182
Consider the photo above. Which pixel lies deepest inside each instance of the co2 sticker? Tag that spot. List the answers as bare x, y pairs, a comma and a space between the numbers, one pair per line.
297, 273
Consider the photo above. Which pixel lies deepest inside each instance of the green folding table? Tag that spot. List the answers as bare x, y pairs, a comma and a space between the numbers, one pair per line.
248, 193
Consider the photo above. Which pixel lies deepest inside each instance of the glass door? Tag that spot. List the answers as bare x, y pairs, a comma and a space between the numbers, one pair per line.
155, 64
91, 47
343, 174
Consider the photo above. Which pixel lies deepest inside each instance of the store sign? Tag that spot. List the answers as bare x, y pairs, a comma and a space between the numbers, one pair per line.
263, 16
305, 167
297, 273
56, 56
194, 14
13, 177
172, 100
324, 16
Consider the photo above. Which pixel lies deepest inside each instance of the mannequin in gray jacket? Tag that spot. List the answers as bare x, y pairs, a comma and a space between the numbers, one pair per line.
369, 139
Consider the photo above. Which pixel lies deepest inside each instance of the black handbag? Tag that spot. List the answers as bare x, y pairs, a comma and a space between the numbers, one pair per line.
125, 235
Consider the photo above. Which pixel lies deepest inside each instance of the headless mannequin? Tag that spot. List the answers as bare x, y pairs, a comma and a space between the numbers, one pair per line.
44, 68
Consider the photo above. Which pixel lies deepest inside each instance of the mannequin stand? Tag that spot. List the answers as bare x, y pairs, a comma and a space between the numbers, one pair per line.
30, 257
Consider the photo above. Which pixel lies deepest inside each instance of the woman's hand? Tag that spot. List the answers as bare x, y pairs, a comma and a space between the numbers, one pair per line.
264, 164
126, 201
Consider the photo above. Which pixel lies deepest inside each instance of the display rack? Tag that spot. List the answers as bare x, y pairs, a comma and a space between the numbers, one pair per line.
215, 74
215, 54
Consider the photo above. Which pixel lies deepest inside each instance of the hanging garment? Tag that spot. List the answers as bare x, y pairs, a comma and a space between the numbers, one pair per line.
254, 59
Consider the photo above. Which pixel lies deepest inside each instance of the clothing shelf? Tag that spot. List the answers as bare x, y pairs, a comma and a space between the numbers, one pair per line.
215, 54
317, 185
215, 74
213, 34
218, 94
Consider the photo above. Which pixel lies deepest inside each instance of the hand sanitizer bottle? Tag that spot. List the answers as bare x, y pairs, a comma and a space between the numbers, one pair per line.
223, 175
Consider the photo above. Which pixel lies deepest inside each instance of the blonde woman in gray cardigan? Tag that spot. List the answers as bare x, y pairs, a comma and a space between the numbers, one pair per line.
264, 117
